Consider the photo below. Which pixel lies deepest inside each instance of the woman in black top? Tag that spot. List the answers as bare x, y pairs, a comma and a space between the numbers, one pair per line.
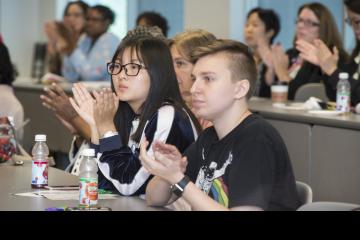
329, 60
262, 26
314, 21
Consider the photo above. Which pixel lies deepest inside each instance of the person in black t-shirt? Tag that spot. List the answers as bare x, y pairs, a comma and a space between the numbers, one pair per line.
241, 163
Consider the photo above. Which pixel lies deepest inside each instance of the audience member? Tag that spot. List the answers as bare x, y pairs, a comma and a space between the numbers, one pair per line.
314, 21
262, 27
86, 61
153, 19
10, 105
182, 46
241, 163
145, 101
64, 34
328, 58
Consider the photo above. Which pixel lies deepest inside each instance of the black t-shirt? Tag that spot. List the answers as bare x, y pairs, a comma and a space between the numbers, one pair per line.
249, 166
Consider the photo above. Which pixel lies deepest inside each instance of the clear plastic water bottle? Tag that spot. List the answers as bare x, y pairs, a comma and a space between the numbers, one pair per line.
88, 179
343, 89
40, 163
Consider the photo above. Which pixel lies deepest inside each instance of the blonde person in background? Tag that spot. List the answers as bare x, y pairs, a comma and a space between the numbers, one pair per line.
314, 21
182, 46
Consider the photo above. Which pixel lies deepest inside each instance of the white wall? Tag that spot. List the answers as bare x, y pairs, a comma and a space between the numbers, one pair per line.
21, 25
212, 15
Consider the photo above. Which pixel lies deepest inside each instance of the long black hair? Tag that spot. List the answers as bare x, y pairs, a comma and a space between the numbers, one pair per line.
155, 55
7, 71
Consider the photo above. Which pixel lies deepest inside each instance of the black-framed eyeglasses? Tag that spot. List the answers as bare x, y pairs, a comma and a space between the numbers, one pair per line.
352, 22
307, 23
131, 69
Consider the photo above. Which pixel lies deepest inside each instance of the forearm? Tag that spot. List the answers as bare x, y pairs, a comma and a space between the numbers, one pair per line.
103, 128
94, 135
269, 76
283, 75
329, 70
158, 192
199, 201
82, 127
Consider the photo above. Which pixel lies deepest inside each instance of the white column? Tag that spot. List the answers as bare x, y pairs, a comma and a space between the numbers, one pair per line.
210, 15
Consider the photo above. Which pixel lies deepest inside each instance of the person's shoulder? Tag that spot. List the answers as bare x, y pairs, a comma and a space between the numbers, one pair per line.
292, 52
256, 128
166, 110
163, 116
207, 134
111, 37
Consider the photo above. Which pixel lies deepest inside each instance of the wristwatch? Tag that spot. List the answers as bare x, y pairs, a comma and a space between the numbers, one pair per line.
178, 188
109, 134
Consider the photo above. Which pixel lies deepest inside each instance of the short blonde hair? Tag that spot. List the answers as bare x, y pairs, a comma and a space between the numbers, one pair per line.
186, 42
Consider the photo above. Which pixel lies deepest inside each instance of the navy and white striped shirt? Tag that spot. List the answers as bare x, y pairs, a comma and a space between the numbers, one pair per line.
120, 169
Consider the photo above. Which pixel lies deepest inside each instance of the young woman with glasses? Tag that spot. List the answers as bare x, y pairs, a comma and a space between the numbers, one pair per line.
328, 58
145, 102
314, 21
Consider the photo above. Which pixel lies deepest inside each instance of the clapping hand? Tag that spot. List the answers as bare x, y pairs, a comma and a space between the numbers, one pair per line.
105, 109
280, 62
307, 51
83, 103
328, 60
264, 51
166, 163
319, 54
57, 100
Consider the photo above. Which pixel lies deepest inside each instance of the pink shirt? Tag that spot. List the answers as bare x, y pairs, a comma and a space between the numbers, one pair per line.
10, 106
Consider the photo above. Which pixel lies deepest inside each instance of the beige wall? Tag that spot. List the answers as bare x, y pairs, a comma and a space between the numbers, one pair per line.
22, 26
212, 15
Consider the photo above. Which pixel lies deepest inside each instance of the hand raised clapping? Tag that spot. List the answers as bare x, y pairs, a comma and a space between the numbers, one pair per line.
83, 103
166, 163
105, 109
280, 62
319, 54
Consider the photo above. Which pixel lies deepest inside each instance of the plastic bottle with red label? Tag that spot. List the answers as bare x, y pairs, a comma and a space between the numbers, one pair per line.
88, 179
40, 163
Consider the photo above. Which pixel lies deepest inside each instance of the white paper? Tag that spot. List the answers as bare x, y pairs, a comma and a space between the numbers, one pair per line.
63, 195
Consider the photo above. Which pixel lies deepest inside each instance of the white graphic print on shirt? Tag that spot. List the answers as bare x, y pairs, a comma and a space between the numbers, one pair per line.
208, 174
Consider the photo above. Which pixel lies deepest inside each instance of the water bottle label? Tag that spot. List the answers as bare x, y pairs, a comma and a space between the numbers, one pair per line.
88, 191
40, 173
343, 103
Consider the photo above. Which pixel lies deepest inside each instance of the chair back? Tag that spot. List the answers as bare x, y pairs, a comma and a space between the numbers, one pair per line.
311, 90
304, 192
329, 206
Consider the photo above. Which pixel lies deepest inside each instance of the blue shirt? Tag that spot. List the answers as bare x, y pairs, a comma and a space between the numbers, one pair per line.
88, 63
